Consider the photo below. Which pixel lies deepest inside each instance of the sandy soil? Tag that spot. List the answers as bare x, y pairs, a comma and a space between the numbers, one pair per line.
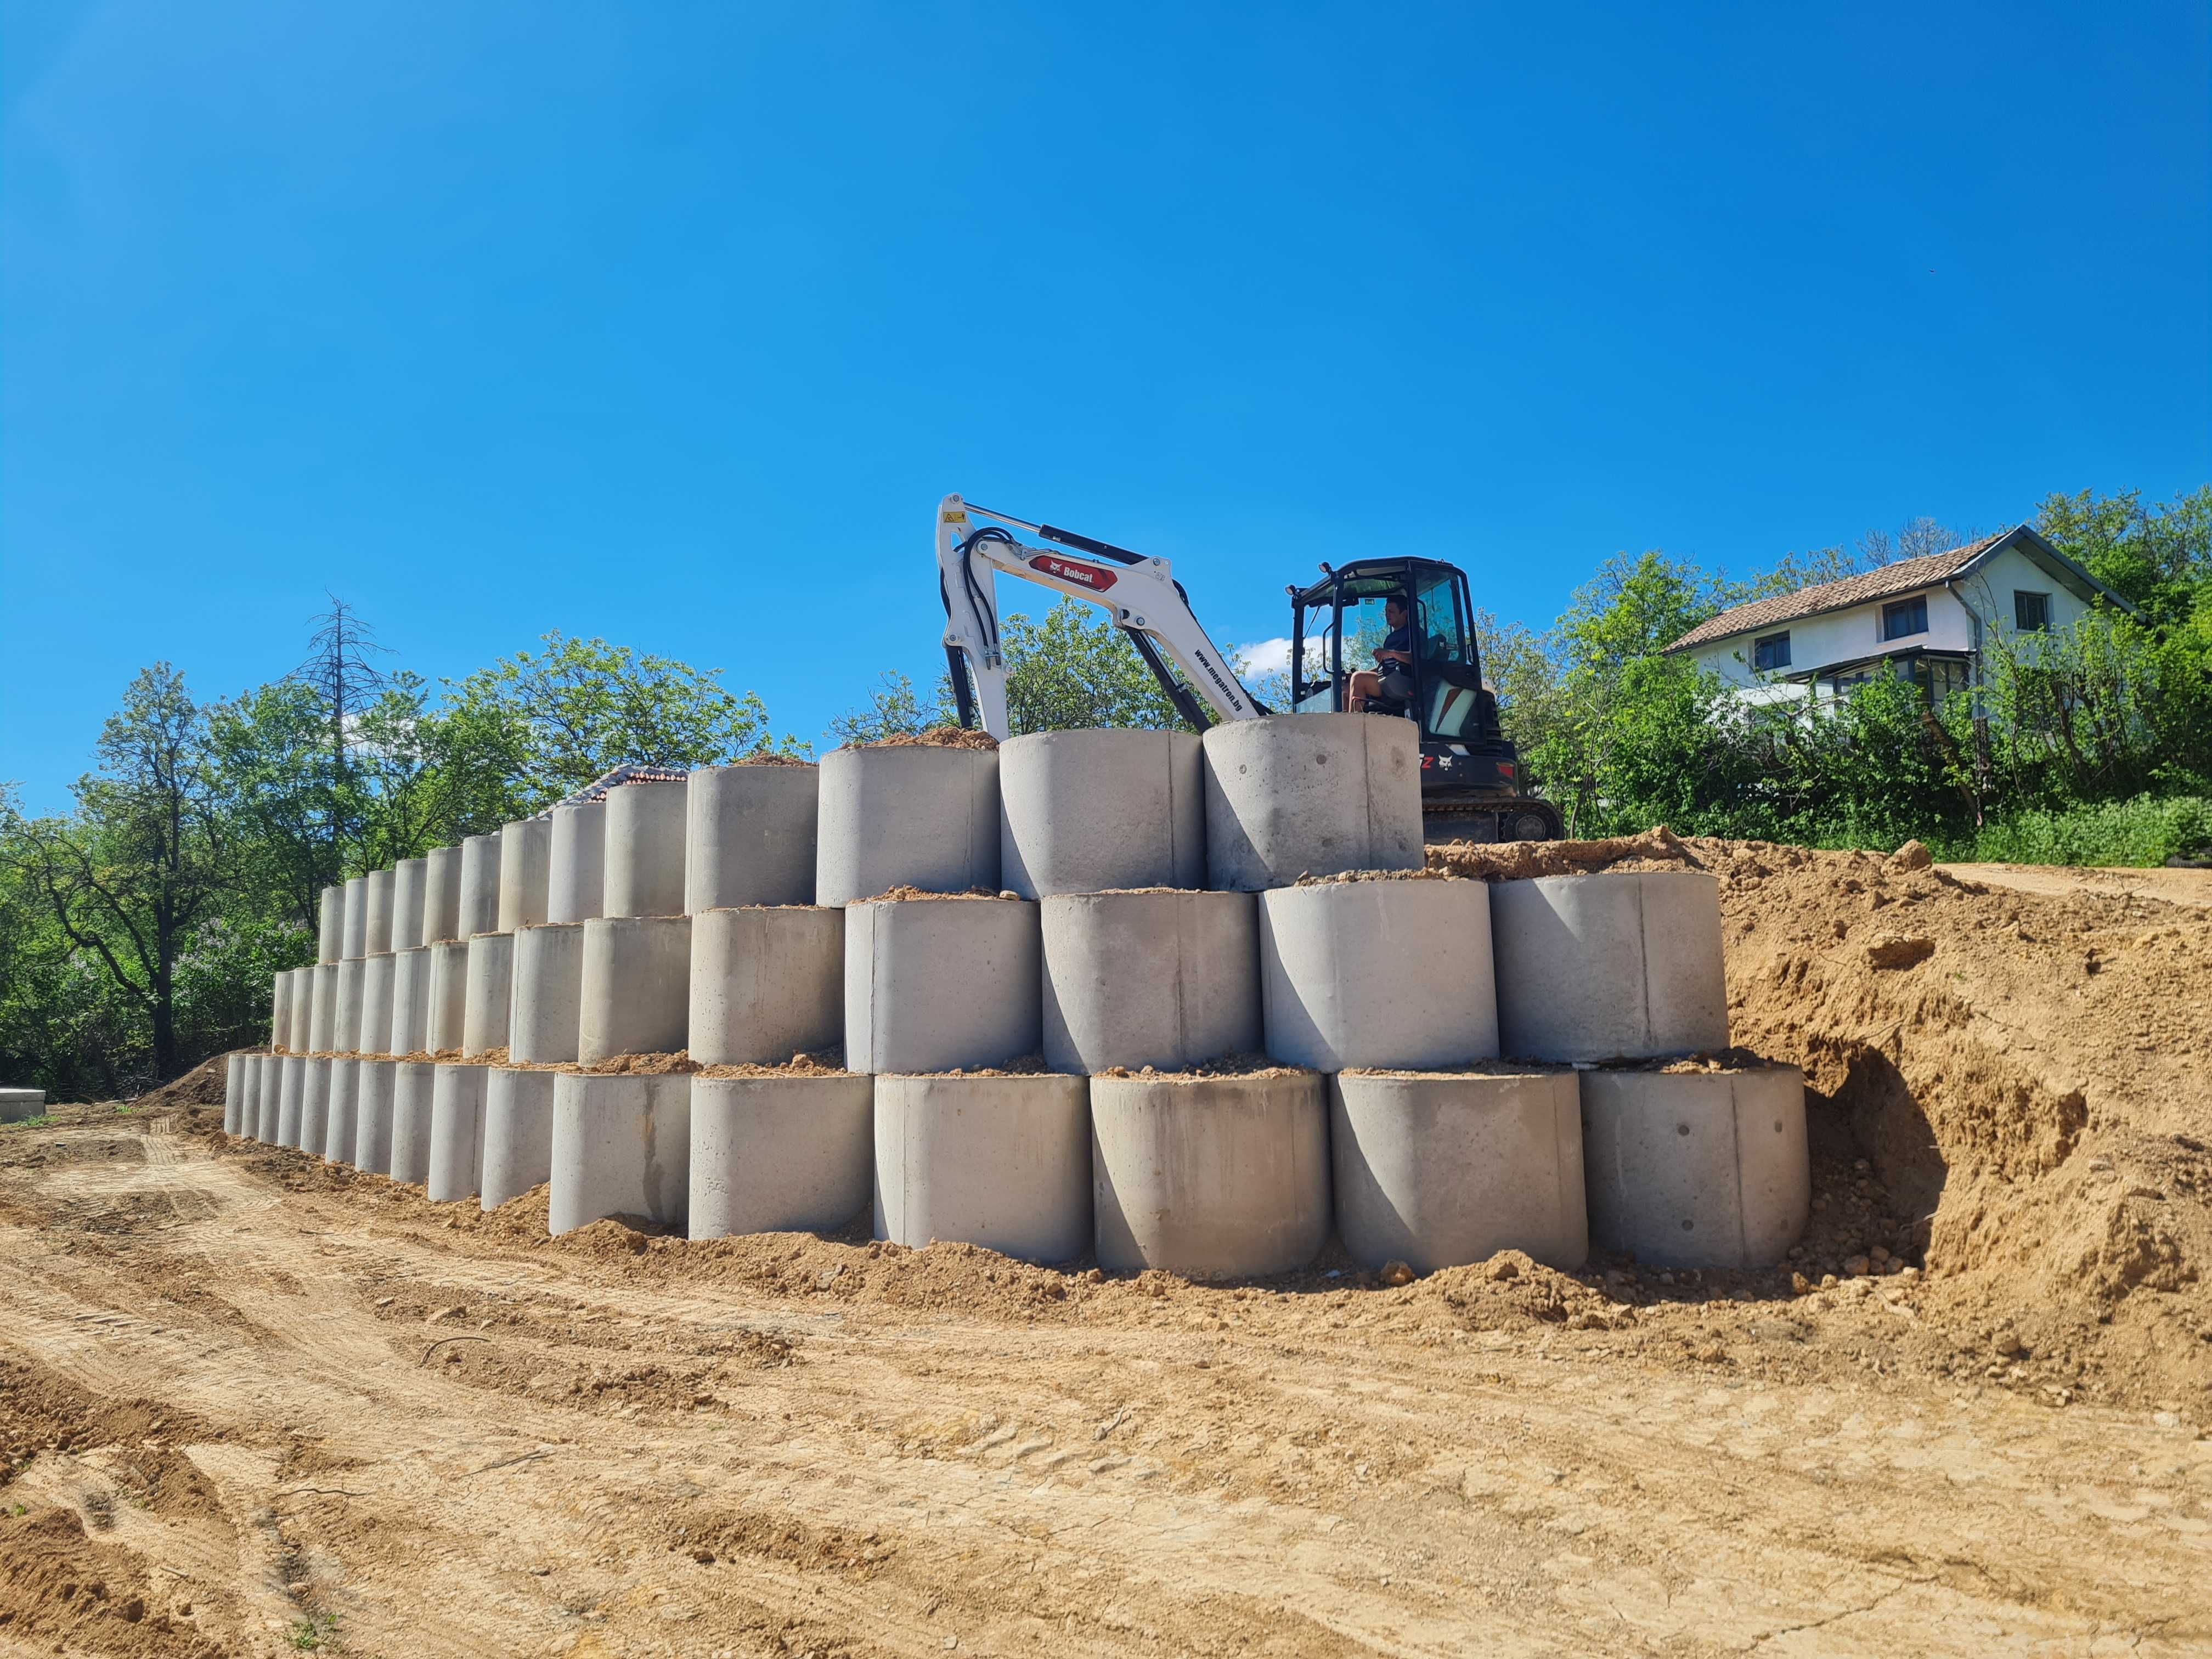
2173, 886
247, 1402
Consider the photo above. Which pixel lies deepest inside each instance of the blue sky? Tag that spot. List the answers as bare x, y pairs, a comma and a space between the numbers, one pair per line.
669, 324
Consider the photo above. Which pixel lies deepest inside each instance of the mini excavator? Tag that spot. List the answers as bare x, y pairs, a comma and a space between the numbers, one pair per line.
1471, 780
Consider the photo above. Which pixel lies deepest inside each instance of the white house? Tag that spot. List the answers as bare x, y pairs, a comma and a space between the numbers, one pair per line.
1930, 619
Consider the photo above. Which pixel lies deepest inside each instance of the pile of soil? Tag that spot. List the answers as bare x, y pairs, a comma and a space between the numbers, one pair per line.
202, 1085
938, 737
904, 894
768, 757
634, 1065
830, 1063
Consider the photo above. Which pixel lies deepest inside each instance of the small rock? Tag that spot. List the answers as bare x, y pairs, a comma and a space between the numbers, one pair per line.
1800, 1284
2007, 1343
1397, 1272
1855, 1267
2167, 1419
1913, 855
1878, 1255
444, 1313
1893, 951
1506, 1269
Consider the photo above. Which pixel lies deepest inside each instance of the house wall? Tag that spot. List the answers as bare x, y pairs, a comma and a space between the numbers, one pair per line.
1990, 590
1837, 636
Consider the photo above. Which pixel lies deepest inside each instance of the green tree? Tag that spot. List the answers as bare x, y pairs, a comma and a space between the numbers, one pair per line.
1076, 669
2157, 557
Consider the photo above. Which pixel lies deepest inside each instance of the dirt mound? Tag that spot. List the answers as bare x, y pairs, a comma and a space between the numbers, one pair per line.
202, 1086
770, 757
938, 737
59, 1588
1517, 861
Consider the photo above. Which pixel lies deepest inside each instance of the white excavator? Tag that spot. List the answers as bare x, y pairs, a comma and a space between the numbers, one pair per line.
1471, 777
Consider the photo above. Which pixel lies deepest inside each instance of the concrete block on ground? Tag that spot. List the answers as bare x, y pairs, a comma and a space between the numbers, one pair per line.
907, 816
576, 885
372, 1128
766, 984
621, 1148
314, 1106
636, 996
322, 1008
341, 1122
449, 996
525, 873
644, 869
1446, 1169
410, 895
1610, 966
20, 1105
1002, 1162
234, 1093
413, 1095
349, 1005
1385, 974
1696, 1168
1149, 979
1093, 811
379, 938
479, 901
1296, 795
749, 837
489, 997
280, 1010
935, 984
378, 984
780, 1154
456, 1108
546, 1024
441, 894
518, 1134
356, 918
330, 930
303, 1007
410, 1001
1211, 1177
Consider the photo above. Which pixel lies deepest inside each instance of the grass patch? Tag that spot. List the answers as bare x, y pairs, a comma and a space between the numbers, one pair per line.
41, 1121
316, 1631
2146, 831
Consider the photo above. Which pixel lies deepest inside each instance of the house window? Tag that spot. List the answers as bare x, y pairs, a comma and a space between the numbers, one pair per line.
1939, 678
2031, 612
1906, 618
1770, 652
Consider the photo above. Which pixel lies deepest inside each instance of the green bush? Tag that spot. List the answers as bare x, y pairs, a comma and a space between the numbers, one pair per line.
2146, 831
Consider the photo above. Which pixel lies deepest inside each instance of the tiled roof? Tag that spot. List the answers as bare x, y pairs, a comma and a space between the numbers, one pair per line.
1903, 577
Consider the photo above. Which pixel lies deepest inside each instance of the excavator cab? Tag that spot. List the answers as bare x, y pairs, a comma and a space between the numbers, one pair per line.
1471, 785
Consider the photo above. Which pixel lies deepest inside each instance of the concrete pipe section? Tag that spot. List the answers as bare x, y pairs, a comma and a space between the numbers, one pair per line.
248, 1119
414, 1095
636, 996
489, 997
322, 1008
622, 1146
314, 1106
518, 1134
479, 900
934, 984
350, 1003
449, 997
280, 1010
576, 887
378, 984
234, 1092
340, 1123
356, 918
644, 870
409, 877
1089, 812
548, 996
525, 873
410, 1001
270, 1101
441, 894
780, 1154
1378, 973
457, 1110
1002, 1162
1310, 795
766, 984
377, 936
1149, 979
749, 837
1211, 1177
906, 817
372, 1126
1449, 1167
302, 1014
1696, 1168
330, 932
1609, 966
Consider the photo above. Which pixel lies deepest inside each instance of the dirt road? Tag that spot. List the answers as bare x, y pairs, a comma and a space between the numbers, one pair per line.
264, 1405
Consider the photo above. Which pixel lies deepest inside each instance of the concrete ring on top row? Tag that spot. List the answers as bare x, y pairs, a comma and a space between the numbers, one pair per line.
1294, 795
906, 816
1094, 812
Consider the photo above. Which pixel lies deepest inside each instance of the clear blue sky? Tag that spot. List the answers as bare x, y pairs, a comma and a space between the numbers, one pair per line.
669, 324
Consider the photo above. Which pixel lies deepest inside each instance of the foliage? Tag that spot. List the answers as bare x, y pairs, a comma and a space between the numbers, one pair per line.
2146, 831
2156, 557
893, 711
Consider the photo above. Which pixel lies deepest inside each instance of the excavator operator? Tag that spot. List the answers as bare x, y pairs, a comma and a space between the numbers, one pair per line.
1388, 680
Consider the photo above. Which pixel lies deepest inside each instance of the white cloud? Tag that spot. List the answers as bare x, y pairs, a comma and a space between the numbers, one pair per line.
1266, 656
